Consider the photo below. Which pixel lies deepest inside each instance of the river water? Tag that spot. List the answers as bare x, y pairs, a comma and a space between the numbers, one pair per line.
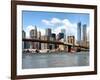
52, 60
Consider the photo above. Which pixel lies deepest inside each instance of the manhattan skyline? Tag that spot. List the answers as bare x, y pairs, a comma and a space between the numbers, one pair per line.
54, 20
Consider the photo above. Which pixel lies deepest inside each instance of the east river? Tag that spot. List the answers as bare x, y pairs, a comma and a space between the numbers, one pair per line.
50, 60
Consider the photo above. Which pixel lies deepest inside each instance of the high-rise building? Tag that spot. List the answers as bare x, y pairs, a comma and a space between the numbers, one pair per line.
38, 37
79, 33
64, 32
53, 35
84, 36
32, 32
48, 32
48, 35
44, 45
33, 35
53, 38
23, 36
84, 32
60, 36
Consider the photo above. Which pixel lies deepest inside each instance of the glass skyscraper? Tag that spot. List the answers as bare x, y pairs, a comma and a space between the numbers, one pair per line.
79, 33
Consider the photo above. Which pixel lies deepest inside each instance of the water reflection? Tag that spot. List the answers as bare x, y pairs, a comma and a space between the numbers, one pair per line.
54, 60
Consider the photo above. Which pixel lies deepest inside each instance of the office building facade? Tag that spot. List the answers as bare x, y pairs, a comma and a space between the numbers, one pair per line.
64, 32
23, 37
79, 33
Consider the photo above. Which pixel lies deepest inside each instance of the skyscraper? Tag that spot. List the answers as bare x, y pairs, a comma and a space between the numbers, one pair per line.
44, 45
48, 32
64, 32
23, 36
60, 36
53, 38
79, 33
38, 37
84, 32
33, 35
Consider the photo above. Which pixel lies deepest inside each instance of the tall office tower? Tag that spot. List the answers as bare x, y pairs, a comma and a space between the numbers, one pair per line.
79, 33
53, 38
35, 32
84, 42
48, 32
23, 36
38, 37
44, 45
64, 32
33, 35
53, 35
60, 36
84, 33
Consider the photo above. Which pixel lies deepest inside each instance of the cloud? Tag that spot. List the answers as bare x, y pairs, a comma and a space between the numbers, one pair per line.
46, 22
52, 22
55, 21
71, 28
70, 31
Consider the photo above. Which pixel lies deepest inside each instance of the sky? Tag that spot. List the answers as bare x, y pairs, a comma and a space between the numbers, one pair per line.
54, 20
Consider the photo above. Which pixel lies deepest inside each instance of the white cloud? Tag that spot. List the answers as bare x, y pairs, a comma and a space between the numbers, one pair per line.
52, 22
71, 28
55, 21
46, 22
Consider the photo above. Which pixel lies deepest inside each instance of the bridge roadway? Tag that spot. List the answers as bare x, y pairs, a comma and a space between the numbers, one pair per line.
52, 42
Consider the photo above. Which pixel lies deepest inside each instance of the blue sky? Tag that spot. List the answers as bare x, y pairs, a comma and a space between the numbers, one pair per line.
36, 17
54, 20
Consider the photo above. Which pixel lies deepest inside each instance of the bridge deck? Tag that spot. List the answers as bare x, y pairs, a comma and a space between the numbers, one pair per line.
52, 42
